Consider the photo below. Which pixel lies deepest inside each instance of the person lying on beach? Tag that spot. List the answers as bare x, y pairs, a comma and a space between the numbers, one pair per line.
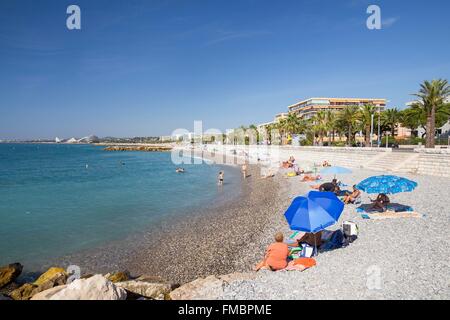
326, 164
276, 255
351, 197
220, 177
380, 203
309, 178
327, 186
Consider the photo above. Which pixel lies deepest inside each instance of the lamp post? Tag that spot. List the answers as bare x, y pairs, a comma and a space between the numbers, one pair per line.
371, 130
379, 128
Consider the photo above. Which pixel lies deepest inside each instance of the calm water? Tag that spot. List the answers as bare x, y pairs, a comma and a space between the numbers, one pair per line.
52, 204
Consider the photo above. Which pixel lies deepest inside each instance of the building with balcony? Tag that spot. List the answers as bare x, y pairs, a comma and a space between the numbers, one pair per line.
308, 108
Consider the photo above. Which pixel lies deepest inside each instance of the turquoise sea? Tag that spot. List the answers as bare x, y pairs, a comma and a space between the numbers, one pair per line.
60, 199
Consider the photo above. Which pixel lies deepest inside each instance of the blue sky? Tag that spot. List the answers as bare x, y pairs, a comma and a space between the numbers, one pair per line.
141, 68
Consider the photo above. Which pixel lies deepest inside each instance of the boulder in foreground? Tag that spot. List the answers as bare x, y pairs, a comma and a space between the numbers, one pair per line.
94, 288
9, 273
146, 289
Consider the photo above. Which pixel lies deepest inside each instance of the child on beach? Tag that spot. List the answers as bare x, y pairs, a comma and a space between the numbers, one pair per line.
220, 177
276, 255
244, 170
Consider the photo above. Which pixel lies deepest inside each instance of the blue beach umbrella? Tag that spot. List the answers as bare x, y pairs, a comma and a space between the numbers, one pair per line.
386, 185
335, 170
315, 212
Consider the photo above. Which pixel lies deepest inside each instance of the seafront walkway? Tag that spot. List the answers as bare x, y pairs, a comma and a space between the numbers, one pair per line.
433, 162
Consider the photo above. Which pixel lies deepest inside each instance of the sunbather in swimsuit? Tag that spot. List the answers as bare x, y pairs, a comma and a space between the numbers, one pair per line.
351, 197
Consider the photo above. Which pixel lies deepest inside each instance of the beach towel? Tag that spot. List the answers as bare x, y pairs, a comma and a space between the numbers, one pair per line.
391, 215
393, 207
301, 264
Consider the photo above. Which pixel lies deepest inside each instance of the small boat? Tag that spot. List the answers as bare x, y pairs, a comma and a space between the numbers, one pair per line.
179, 170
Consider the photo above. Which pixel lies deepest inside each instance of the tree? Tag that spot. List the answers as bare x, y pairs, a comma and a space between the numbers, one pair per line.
365, 116
331, 123
431, 96
391, 118
319, 123
348, 121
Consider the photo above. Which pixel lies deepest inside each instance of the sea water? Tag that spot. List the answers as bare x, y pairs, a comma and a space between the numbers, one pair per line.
57, 199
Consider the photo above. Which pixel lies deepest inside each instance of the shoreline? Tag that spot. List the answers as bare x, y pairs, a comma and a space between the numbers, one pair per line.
218, 239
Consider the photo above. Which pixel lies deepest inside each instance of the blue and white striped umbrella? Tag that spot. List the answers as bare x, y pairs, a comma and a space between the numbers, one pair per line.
386, 185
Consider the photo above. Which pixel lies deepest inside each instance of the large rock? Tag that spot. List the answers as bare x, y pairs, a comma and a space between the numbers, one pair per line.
209, 288
146, 289
95, 288
55, 275
9, 273
47, 294
118, 277
51, 278
25, 292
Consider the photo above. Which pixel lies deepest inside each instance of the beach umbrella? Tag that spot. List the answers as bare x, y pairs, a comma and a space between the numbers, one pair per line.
386, 185
335, 170
315, 212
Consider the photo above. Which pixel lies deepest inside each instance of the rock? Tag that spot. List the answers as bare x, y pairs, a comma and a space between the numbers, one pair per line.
95, 288
57, 276
118, 277
209, 288
25, 292
51, 278
146, 289
47, 294
9, 273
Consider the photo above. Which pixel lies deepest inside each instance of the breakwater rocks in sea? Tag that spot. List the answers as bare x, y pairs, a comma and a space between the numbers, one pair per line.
56, 284
139, 148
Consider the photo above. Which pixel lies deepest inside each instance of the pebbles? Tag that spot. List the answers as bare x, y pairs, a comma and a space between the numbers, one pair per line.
392, 259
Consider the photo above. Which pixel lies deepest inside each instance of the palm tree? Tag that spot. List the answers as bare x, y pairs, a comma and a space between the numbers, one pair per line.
348, 120
331, 123
391, 118
431, 96
319, 122
366, 113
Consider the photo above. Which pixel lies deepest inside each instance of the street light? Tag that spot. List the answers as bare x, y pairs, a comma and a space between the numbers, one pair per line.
371, 130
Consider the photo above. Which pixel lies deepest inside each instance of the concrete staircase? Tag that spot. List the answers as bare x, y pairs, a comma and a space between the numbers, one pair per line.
394, 162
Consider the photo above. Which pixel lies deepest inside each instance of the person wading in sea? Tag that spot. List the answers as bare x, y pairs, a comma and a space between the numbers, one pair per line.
220, 177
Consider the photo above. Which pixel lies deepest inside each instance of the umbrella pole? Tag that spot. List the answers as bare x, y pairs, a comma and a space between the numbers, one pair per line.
315, 244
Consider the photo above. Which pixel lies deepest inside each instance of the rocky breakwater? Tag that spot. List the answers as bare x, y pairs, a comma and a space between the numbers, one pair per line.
56, 284
152, 148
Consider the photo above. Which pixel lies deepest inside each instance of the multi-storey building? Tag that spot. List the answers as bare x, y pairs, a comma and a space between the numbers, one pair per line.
308, 108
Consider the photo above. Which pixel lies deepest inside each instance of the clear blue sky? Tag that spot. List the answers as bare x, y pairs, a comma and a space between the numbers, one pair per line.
141, 68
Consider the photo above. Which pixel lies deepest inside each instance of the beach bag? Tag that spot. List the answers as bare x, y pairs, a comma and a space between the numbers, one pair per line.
307, 251
350, 228
335, 241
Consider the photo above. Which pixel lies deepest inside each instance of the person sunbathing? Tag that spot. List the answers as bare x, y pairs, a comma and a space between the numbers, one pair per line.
351, 197
326, 164
327, 186
276, 255
381, 202
309, 178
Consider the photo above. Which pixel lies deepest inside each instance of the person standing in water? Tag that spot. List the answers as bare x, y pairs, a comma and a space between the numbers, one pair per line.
220, 178
244, 170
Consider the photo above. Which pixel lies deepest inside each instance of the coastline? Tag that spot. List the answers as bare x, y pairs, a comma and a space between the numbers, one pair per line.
218, 239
